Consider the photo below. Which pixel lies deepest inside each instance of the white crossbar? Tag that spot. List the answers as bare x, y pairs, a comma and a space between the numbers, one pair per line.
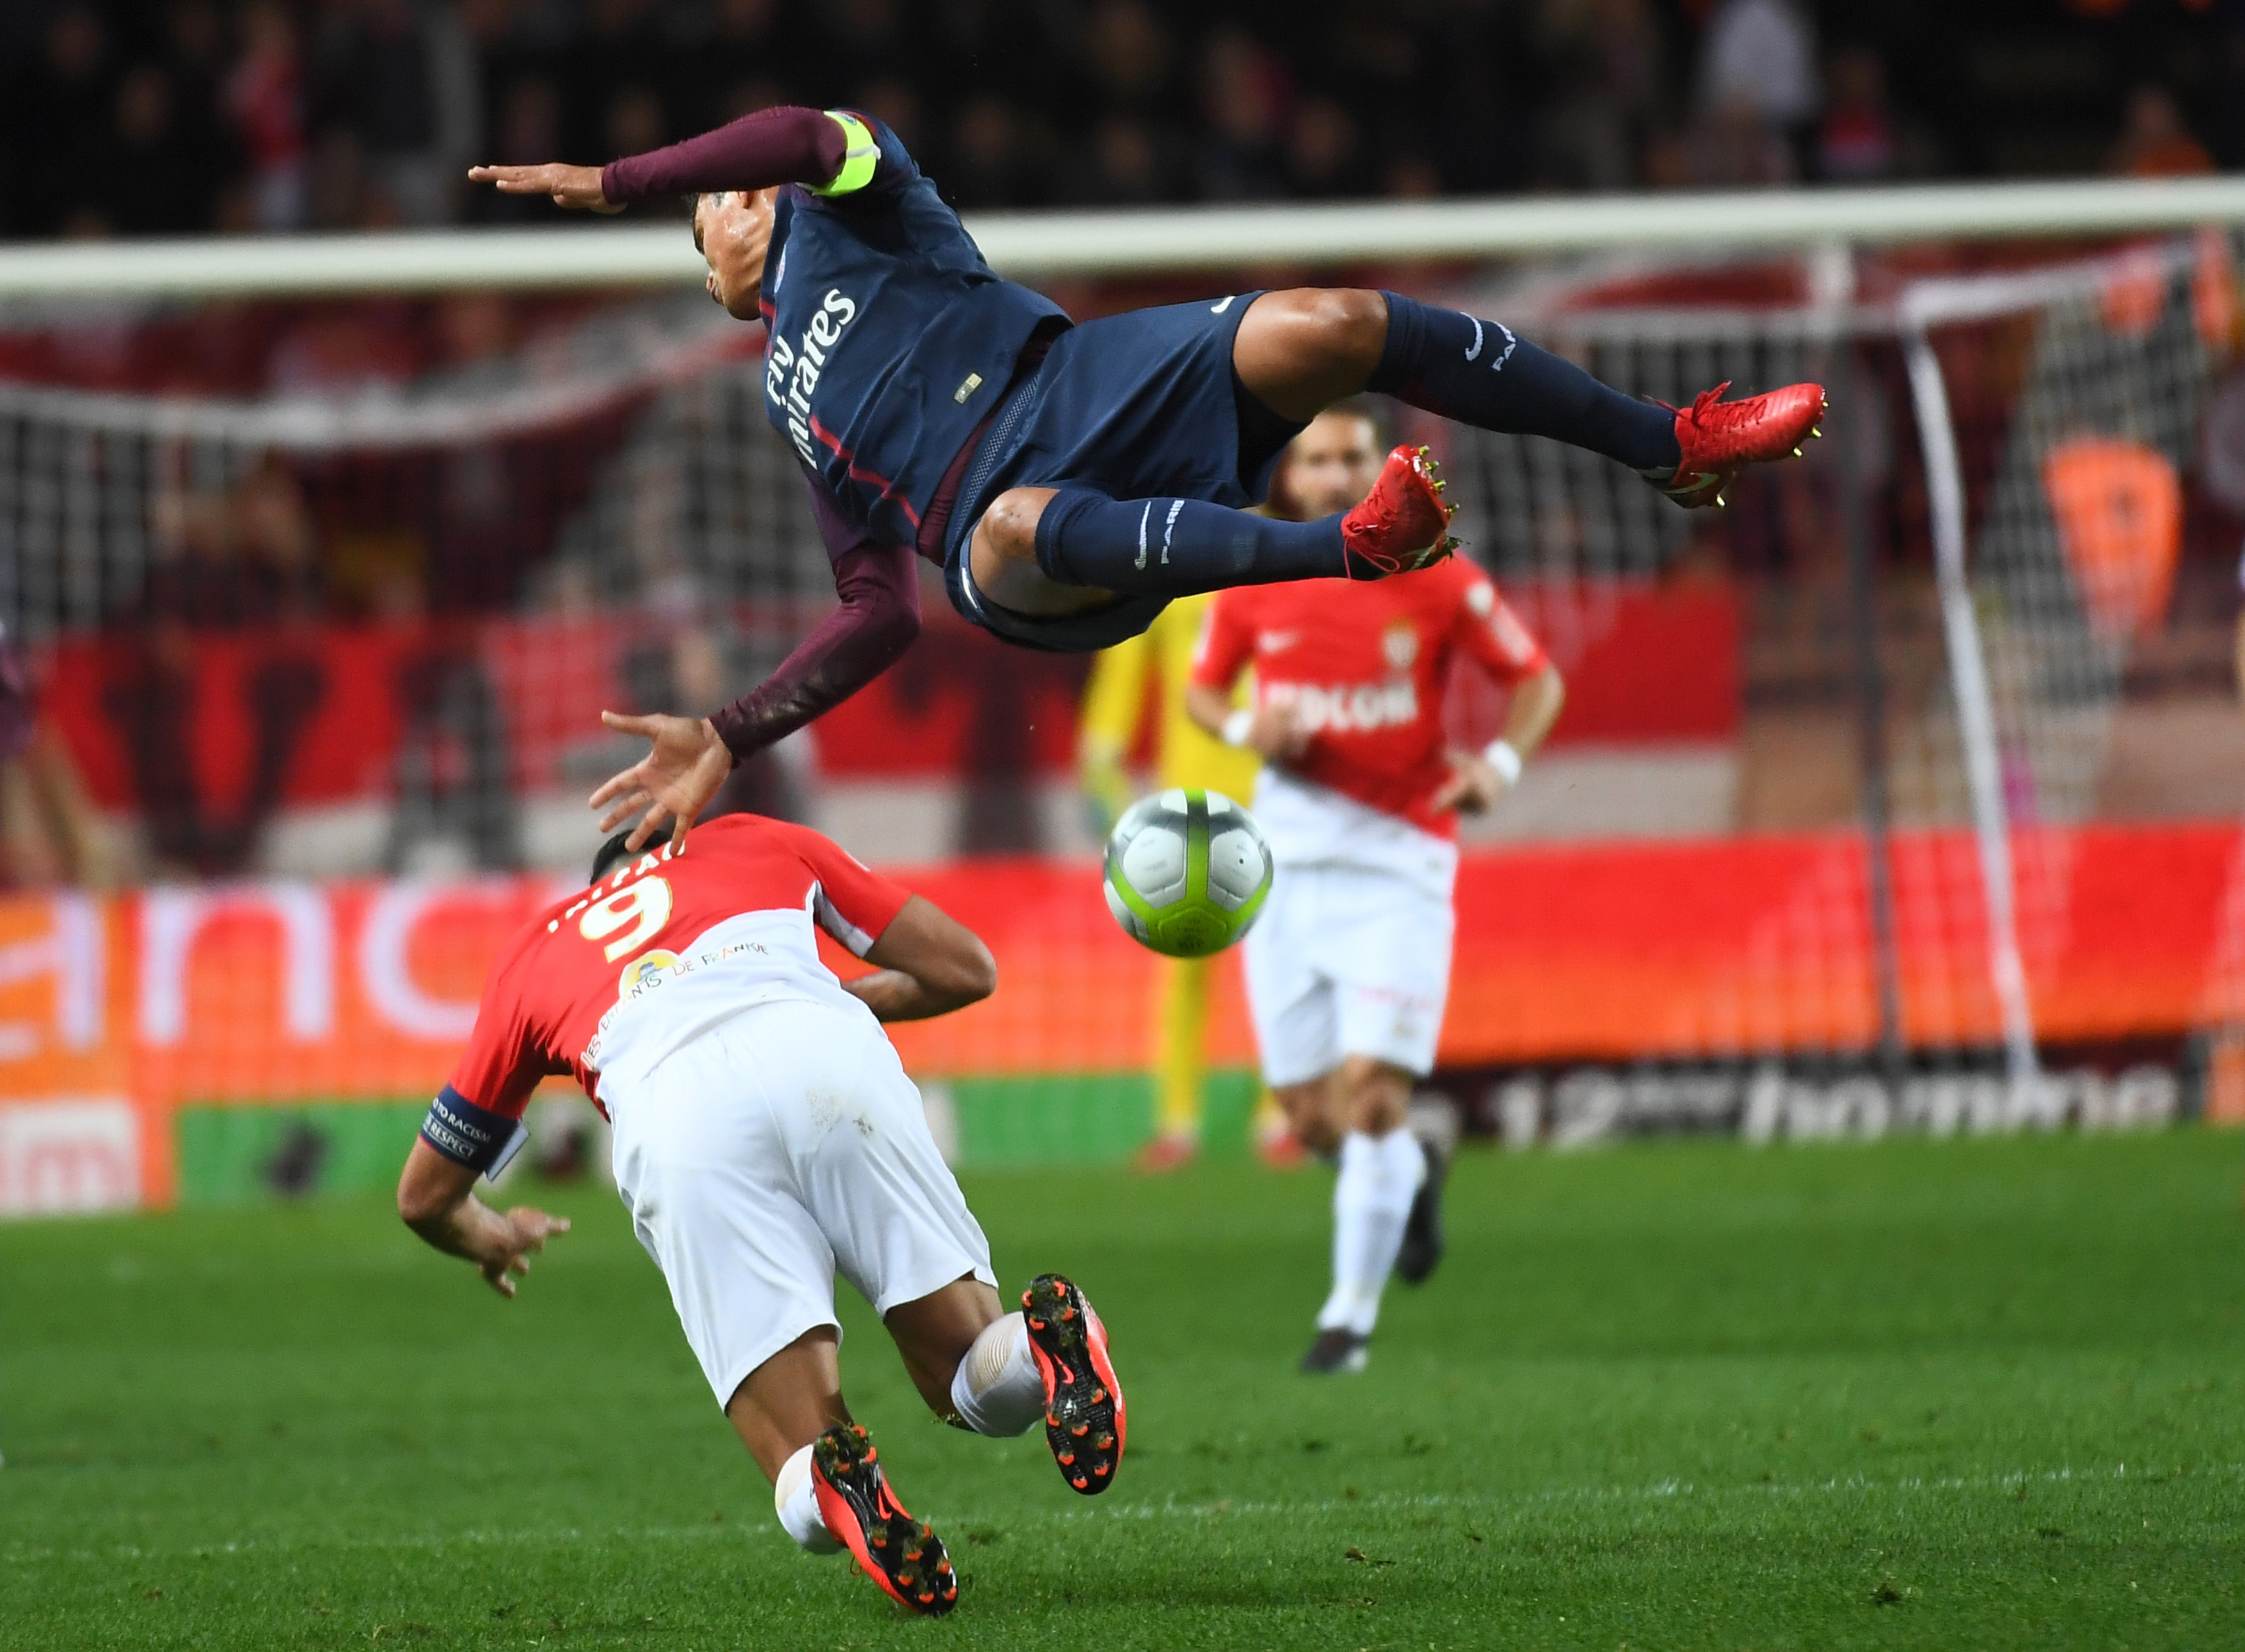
1143, 242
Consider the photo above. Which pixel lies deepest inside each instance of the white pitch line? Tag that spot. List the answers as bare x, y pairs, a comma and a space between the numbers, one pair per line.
1658, 1490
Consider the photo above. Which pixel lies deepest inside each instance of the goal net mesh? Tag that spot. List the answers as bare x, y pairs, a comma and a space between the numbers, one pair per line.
343, 618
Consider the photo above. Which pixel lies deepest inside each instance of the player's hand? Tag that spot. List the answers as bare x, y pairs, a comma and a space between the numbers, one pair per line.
1277, 733
1473, 785
526, 1230
675, 781
576, 187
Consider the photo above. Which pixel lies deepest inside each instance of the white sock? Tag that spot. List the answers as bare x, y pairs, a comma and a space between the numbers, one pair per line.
997, 1389
796, 1499
1372, 1202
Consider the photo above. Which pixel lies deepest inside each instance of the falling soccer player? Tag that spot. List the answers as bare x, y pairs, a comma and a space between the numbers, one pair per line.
1068, 480
766, 1137
1348, 968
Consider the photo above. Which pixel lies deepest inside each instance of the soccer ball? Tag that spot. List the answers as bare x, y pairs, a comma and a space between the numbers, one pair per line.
1187, 871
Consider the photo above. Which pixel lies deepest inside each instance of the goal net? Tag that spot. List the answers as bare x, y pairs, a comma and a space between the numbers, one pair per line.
1904, 791
1988, 650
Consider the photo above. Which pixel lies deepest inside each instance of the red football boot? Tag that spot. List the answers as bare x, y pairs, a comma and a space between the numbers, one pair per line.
905, 1557
1401, 525
1720, 438
1085, 1422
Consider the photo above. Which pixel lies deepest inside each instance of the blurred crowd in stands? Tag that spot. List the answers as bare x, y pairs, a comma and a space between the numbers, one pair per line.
140, 117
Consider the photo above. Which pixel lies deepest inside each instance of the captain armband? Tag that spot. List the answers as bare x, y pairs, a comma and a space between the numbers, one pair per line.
859, 157
485, 1142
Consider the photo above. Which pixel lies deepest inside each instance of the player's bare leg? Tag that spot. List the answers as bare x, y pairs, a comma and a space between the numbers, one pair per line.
1364, 1104
828, 1485
1300, 351
1053, 552
1000, 1373
828, 1482
1315, 1122
986, 1371
934, 1334
789, 1400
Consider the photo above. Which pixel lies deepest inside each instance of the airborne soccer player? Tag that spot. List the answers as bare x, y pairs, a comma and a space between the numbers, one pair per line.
1068, 480
766, 1137
1348, 967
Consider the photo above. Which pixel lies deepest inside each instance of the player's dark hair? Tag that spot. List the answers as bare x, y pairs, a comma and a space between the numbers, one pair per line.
616, 848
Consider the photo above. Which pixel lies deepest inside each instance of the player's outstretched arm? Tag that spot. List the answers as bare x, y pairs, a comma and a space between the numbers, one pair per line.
925, 963
436, 1197
772, 146
576, 187
687, 762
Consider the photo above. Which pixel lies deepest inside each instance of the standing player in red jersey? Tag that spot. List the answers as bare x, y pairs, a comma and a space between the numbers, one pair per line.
766, 1136
1348, 969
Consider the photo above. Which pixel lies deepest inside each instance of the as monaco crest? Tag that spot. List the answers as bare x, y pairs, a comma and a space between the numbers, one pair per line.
1399, 644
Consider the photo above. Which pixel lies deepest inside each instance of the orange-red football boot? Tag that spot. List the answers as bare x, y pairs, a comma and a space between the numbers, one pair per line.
1720, 438
903, 1556
1085, 1422
1402, 525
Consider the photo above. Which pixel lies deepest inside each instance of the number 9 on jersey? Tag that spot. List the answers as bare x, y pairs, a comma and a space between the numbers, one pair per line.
1187, 873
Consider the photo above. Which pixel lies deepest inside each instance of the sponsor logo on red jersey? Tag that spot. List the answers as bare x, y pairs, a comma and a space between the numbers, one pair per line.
1367, 666
1351, 707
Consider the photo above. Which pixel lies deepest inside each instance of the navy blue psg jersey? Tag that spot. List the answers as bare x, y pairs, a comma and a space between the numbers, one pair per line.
891, 339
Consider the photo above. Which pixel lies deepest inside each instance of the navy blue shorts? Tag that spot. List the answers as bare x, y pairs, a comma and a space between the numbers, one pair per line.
1132, 406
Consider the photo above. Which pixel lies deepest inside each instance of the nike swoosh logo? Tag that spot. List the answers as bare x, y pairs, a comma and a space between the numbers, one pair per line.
1218, 308
1277, 642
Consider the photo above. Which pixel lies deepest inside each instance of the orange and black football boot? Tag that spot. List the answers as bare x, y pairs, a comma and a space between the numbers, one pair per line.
1085, 1422
1720, 438
1402, 525
905, 1557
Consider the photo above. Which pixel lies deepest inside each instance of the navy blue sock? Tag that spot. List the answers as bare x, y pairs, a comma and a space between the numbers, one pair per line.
1486, 375
1177, 547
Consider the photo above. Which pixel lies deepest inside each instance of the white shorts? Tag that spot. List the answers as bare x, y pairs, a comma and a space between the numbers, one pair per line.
1346, 961
763, 1154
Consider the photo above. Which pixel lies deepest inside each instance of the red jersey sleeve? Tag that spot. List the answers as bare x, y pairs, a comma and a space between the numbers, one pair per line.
852, 903
505, 1060
1227, 641
1488, 630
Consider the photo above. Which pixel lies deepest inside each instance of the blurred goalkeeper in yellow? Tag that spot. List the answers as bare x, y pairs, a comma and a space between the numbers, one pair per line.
1328, 467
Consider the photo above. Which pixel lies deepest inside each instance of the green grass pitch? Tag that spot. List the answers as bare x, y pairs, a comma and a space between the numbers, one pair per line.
1963, 1394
